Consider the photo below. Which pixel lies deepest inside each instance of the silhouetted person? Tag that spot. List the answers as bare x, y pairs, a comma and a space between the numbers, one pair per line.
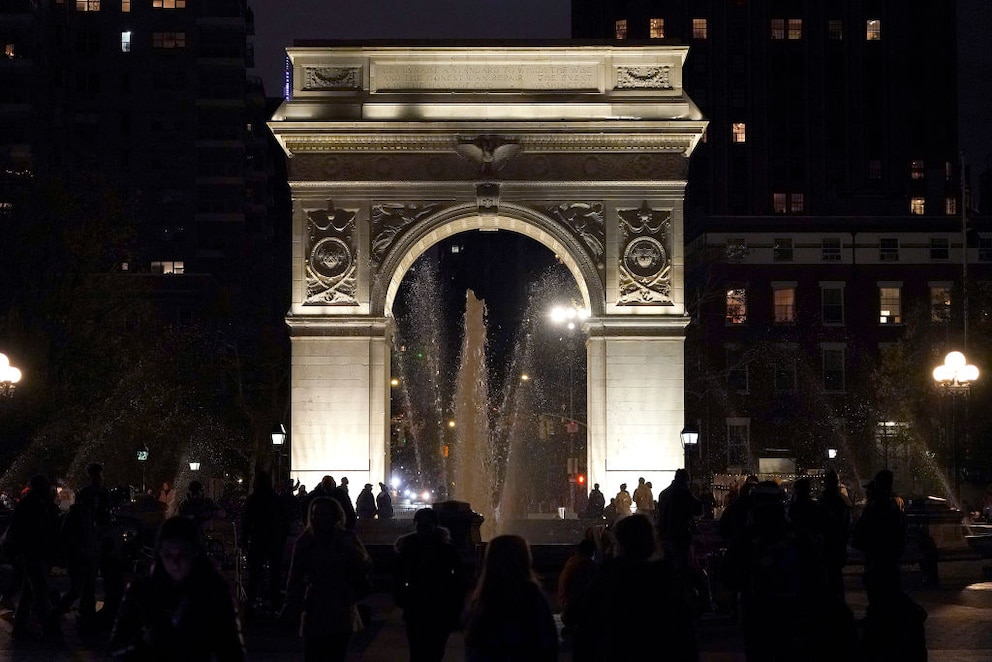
290, 504
781, 580
880, 534
808, 517
574, 579
264, 527
197, 506
636, 602
643, 497
321, 594
734, 517
31, 541
340, 494
429, 584
184, 610
677, 513
623, 502
836, 537
111, 562
81, 542
365, 507
508, 616
610, 512
597, 502
384, 502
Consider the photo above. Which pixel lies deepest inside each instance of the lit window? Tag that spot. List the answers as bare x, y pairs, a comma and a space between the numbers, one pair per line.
948, 171
778, 203
917, 206
699, 28
940, 248
126, 42
940, 302
832, 304
950, 205
87, 5
985, 249
778, 28
873, 30
740, 135
916, 169
168, 40
169, 4
9, 50
737, 372
797, 203
782, 249
830, 249
125, 6
833, 369
785, 303
890, 304
736, 306
795, 28
620, 29
657, 28
736, 248
835, 30
168, 267
888, 249
875, 169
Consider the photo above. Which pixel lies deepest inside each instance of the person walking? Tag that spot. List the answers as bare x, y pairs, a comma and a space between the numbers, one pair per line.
677, 513
326, 576
836, 537
429, 585
508, 616
264, 529
183, 610
596, 504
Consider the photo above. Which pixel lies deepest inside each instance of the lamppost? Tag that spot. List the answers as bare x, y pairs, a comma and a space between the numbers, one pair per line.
954, 378
690, 437
569, 316
194, 465
9, 376
142, 457
278, 440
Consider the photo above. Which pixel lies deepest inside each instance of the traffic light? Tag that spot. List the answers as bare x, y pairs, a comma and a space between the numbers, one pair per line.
581, 479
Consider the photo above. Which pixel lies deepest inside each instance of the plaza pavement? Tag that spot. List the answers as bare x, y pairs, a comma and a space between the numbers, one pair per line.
958, 627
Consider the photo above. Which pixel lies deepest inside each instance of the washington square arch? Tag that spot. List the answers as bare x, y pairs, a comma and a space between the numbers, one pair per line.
394, 148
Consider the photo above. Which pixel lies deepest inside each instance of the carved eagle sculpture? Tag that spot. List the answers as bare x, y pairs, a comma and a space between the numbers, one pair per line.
490, 152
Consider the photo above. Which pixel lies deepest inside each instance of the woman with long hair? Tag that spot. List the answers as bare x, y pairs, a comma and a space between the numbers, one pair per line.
508, 616
329, 569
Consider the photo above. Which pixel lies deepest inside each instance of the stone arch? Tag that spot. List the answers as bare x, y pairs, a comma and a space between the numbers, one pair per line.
465, 218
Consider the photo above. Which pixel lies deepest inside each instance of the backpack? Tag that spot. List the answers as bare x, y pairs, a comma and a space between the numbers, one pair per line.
776, 568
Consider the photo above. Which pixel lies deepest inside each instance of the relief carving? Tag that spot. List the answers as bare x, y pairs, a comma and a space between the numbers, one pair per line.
332, 78
649, 78
330, 264
390, 220
490, 153
645, 269
585, 220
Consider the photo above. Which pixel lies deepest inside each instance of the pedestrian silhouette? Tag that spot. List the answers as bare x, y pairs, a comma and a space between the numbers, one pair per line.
596, 504
384, 502
623, 501
197, 506
573, 581
327, 577
610, 512
838, 533
183, 610
31, 541
508, 616
635, 603
429, 585
80, 539
264, 529
365, 507
677, 513
643, 497
734, 517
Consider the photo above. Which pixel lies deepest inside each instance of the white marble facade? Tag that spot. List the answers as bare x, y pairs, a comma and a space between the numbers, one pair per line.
393, 148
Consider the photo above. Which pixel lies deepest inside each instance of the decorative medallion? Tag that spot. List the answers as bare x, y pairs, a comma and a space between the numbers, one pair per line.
332, 78
631, 78
645, 270
330, 265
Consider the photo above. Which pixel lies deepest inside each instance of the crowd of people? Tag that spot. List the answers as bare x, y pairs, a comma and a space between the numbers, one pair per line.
634, 580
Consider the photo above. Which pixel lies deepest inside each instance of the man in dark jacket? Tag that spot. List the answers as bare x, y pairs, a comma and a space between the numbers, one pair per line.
429, 585
677, 513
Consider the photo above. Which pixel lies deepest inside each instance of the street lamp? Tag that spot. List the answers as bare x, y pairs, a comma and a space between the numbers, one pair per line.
568, 316
954, 378
142, 457
194, 465
690, 437
9, 376
278, 439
